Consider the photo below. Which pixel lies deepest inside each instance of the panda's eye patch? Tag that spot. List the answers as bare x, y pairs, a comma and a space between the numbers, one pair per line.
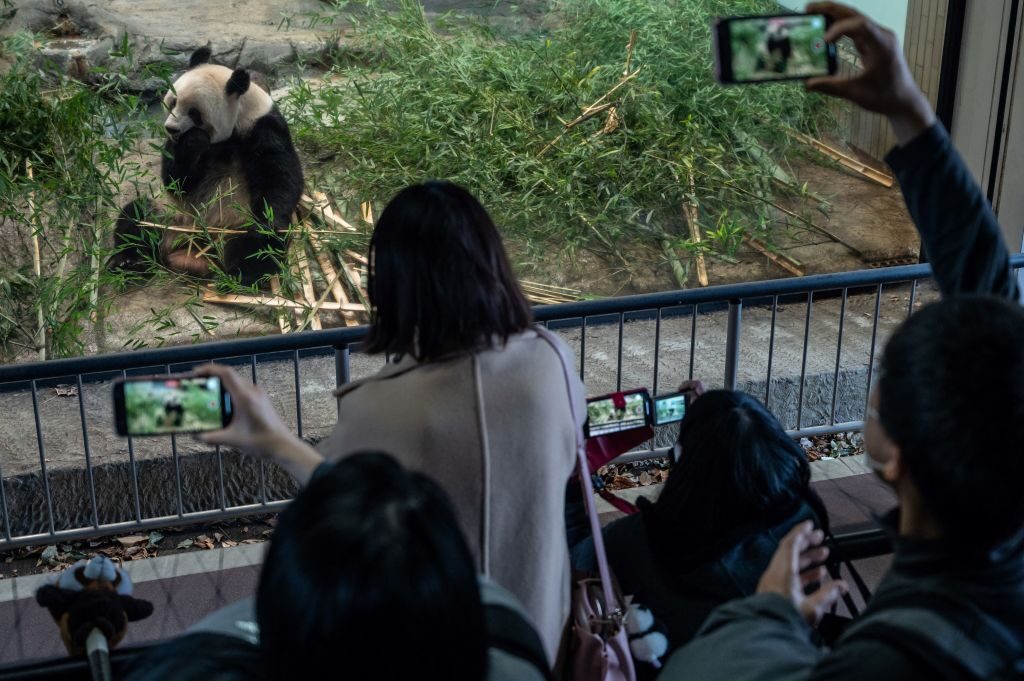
196, 117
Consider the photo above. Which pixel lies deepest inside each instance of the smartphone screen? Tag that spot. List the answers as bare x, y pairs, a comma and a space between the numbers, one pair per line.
172, 404
669, 408
616, 413
772, 48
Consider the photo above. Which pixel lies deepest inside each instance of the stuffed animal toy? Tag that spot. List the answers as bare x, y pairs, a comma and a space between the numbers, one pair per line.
648, 638
92, 598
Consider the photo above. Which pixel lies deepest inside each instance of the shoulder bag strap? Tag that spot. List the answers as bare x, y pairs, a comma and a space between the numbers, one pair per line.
584, 469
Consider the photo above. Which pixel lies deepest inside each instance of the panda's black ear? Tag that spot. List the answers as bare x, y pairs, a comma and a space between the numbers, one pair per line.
200, 56
238, 83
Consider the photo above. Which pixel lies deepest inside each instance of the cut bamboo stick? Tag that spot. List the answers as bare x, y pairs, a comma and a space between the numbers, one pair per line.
308, 292
845, 160
275, 286
785, 262
673, 261
337, 290
366, 208
692, 214
319, 203
357, 257
274, 301
37, 267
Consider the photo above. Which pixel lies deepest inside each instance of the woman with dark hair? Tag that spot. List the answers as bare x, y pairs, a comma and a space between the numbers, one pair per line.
472, 396
738, 484
368, 577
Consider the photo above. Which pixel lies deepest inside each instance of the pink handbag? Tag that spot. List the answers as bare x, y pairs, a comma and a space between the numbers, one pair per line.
599, 646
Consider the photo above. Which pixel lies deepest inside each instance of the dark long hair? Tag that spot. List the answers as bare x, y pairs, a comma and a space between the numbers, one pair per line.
368, 577
738, 472
439, 280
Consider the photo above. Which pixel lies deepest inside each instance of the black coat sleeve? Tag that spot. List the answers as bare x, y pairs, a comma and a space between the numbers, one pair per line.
868, 659
958, 230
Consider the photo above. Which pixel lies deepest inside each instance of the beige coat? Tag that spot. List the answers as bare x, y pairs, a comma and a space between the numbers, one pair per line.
495, 429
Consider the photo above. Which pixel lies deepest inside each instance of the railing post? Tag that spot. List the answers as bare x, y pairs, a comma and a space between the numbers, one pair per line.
342, 369
732, 343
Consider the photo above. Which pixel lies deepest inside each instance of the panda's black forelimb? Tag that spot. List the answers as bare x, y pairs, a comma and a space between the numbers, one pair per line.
275, 182
184, 163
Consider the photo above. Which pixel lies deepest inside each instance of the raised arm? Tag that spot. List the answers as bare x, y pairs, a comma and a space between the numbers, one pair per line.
958, 230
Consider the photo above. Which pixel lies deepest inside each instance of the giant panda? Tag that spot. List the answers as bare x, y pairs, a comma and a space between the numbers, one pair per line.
228, 163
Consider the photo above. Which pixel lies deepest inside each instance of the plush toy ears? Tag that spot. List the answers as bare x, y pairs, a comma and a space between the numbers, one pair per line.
200, 56
238, 83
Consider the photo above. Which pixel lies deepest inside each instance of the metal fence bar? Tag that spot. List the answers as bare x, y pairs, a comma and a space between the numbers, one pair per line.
874, 341
803, 361
3, 508
583, 349
771, 353
262, 466
618, 365
913, 298
839, 357
732, 343
177, 467
88, 453
298, 393
657, 351
693, 339
42, 455
342, 370
135, 470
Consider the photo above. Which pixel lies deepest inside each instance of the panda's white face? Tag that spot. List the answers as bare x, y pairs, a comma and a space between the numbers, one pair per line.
199, 99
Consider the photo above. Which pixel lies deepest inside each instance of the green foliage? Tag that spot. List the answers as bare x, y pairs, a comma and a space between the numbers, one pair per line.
75, 139
454, 101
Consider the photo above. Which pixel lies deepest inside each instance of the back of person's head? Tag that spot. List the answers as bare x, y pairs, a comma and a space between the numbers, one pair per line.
951, 398
439, 279
738, 472
368, 577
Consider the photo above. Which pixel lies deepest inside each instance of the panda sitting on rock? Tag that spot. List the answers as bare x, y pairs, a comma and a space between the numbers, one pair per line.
228, 164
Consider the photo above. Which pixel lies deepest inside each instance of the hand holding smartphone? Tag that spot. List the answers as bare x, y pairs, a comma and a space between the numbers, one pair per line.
766, 49
171, 404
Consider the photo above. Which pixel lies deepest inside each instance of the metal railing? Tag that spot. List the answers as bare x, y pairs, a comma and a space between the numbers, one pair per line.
576, 317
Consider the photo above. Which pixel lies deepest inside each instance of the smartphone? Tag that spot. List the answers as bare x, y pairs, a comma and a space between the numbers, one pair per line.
670, 408
177, 403
766, 49
617, 412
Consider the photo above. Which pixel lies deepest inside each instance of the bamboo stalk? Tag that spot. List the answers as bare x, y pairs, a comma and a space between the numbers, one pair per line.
336, 289
845, 160
357, 257
275, 286
783, 261
673, 261
308, 292
321, 204
37, 267
366, 209
692, 213
274, 301
314, 312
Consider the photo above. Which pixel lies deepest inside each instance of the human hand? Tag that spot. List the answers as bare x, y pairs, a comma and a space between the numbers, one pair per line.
798, 563
694, 388
885, 84
256, 428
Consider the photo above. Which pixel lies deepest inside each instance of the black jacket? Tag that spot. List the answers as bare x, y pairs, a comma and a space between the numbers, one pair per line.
958, 230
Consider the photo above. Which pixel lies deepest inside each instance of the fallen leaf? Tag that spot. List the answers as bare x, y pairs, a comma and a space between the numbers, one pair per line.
155, 538
66, 390
133, 551
227, 543
132, 540
187, 543
204, 542
217, 536
49, 554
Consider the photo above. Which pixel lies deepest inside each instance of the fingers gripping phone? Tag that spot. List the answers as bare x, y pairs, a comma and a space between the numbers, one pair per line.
765, 49
170, 404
